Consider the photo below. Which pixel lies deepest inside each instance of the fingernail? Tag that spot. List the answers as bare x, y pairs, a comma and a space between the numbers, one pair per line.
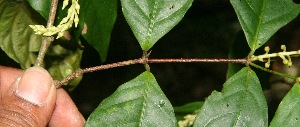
34, 85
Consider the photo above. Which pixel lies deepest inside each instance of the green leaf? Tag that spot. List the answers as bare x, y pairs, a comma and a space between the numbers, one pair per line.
139, 102
152, 19
260, 19
18, 40
61, 62
241, 103
238, 49
100, 17
41, 6
189, 108
288, 112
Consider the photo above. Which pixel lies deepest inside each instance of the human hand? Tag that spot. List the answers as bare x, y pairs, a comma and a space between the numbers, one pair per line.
32, 100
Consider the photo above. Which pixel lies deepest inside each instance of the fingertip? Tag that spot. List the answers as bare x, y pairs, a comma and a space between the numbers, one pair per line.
66, 113
34, 85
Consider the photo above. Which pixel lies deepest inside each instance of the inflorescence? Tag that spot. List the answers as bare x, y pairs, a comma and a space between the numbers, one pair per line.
65, 23
284, 55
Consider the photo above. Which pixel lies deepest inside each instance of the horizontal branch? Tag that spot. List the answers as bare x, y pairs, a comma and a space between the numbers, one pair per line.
144, 60
243, 61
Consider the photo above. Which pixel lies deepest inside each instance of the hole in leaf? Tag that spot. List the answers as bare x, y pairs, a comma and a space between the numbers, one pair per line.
296, 118
172, 6
227, 105
296, 1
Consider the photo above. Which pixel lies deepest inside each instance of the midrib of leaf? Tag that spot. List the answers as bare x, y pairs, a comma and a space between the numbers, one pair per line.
152, 17
243, 98
145, 95
258, 28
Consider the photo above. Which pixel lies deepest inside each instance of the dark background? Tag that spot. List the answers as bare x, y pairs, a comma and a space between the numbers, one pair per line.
207, 31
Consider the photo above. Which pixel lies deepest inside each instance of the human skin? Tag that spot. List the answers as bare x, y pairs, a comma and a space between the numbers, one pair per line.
58, 109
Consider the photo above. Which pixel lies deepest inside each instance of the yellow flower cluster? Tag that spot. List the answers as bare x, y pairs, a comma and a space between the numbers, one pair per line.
188, 120
65, 23
284, 55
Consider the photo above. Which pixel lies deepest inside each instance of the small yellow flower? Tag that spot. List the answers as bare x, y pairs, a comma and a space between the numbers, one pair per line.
65, 23
284, 55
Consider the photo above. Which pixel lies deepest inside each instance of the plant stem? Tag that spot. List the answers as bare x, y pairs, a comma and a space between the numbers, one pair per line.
243, 61
47, 40
143, 60
272, 71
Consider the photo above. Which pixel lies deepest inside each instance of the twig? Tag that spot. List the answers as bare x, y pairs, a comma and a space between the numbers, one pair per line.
47, 40
144, 60
243, 61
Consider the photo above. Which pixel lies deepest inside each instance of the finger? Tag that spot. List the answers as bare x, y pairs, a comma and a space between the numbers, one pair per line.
30, 100
66, 113
7, 77
64, 102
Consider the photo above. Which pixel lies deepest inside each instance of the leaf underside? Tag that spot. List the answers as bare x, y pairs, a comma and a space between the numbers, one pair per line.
288, 112
139, 102
260, 19
241, 103
100, 20
152, 19
18, 40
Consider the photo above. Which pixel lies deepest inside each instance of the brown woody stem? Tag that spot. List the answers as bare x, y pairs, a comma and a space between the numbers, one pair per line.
144, 60
47, 40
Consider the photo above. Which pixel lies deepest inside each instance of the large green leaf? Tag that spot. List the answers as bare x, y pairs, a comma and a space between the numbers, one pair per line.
41, 6
238, 49
139, 102
260, 19
100, 17
241, 103
288, 112
18, 40
152, 19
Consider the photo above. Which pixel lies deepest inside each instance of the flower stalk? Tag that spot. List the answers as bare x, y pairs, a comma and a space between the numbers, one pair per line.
284, 55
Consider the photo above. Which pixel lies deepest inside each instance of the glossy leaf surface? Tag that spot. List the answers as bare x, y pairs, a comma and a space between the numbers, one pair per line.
139, 102
238, 49
152, 19
41, 6
241, 103
18, 40
288, 112
99, 17
260, 19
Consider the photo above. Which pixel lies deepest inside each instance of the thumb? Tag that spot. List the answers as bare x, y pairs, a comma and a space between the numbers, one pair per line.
30, 100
